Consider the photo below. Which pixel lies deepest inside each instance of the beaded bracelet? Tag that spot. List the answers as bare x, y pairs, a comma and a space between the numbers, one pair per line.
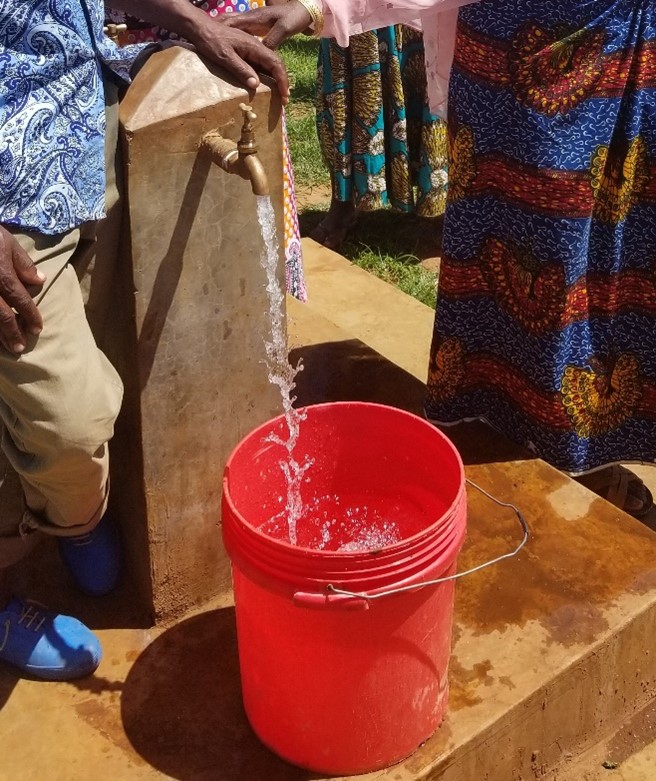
315, 9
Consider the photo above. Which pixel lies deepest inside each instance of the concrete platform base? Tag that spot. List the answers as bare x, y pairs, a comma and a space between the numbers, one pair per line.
551, 654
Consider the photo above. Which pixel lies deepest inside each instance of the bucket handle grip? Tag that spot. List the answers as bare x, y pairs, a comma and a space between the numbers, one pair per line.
458, 575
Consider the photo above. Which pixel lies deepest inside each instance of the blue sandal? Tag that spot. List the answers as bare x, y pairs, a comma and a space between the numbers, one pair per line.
46, 644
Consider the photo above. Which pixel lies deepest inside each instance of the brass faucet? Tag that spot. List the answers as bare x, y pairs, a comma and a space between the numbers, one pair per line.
113, 31
239, 158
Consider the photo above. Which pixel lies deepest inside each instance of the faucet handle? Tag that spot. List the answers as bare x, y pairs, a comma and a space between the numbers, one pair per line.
247, 144
113, 31
247, 111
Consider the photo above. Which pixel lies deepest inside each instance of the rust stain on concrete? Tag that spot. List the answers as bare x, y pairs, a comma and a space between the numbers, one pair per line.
571, 624
464, 683
569, 572
107, 722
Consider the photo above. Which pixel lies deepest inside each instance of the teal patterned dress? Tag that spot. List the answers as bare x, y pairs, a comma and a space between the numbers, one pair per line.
381, 144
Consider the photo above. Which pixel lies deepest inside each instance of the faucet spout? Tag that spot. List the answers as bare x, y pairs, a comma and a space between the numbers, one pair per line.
256, 174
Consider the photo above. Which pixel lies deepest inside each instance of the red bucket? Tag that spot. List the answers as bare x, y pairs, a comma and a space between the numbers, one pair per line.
345, 683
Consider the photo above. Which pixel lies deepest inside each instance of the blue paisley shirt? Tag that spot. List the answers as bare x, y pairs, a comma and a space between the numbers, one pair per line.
52, 111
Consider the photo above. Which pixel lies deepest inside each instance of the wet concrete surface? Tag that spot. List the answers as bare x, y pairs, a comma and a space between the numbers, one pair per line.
549, 648
562, 623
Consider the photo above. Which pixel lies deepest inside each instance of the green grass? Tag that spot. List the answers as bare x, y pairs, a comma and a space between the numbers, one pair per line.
385, 243
401, 271
300, 56
391, 246
309, 168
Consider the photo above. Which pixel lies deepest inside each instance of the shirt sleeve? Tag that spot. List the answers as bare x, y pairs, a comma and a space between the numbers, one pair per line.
350, 17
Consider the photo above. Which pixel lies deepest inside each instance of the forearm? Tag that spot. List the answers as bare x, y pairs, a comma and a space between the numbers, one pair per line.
179, 15
234, 50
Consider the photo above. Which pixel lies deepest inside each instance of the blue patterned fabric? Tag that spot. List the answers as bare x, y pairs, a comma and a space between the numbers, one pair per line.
52, 117
546, 314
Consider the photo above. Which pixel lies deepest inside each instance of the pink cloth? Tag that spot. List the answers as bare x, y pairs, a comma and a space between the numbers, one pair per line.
436, 18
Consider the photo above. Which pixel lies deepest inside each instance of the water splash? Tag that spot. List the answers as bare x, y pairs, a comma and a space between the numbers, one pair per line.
357, 525
281, 372
373, 538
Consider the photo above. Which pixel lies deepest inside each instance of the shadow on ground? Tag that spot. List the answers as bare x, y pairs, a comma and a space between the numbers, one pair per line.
406, 237
182, 711
349, 370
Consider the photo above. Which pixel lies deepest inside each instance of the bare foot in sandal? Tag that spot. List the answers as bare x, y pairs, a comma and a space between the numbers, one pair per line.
335, 226
620, 487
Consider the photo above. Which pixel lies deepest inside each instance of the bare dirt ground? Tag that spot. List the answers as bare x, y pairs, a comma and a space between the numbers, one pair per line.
308, 197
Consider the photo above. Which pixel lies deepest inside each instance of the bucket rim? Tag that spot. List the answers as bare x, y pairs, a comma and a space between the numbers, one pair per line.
336, 554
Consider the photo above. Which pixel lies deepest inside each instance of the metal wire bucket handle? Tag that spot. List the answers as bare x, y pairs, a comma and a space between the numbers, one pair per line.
458, 575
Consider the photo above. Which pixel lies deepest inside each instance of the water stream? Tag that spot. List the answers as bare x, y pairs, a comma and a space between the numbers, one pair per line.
329, 525
281, 372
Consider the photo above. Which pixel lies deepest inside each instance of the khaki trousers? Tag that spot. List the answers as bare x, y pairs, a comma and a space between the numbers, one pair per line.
60, 398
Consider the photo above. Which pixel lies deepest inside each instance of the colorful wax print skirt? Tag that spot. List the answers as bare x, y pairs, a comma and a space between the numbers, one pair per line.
139, 32
378, 138
546, 315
